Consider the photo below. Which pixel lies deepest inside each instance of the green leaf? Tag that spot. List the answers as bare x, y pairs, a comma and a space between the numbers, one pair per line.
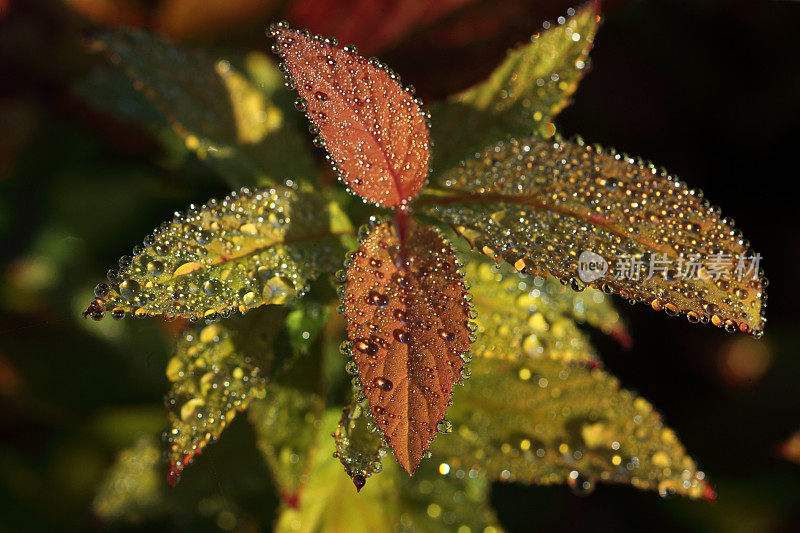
517, 312
287, 425
545, 416
590, 306
216, 372
439, 498
392, 501
254, 247
329, 503
542, 421
522, 95
228, 119
304, 324
545, 206
133, 489
359, 443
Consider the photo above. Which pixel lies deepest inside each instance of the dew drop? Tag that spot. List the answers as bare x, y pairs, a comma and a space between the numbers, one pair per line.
369, 348
129, 289
447, 335
101, 290
377, 299
212, 287
156, 268
359, 481
383, 384
401, 315
402, 336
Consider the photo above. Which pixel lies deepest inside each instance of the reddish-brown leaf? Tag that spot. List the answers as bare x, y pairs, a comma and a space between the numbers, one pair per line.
374, 130
408, 322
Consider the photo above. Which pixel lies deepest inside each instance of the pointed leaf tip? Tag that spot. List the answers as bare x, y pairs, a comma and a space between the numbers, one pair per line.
358, 443
254, 247
374, 129
409, 321
213, 378
522, 95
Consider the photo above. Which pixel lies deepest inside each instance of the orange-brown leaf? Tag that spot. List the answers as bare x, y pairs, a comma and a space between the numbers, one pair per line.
408, 322
374, 130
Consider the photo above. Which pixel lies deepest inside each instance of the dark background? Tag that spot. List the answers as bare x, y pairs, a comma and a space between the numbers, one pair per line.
708, 89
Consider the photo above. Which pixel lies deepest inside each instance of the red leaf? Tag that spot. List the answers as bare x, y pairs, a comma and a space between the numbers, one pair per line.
373, 129
408, 322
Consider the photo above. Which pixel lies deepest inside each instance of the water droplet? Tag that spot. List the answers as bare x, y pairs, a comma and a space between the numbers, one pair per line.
213, 287
402, 336
359, 481
377, 299
129, 289
444, 426
383, 384
101, 290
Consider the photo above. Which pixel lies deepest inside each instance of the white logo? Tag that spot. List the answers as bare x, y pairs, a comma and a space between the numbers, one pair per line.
591, 266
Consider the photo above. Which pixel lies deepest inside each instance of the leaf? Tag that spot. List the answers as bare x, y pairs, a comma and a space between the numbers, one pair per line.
373, 129
287, 422
329, 503
427, 502
304, 324
542, 421
112, 93
439, 498
543, 416
132, 490
359, 444
408, 322
254, 247
540, 204
216, 371
590, 306
546, 303
522, 95
221, 115
516, 314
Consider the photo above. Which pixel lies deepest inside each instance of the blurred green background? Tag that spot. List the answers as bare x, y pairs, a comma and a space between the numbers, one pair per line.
707, 89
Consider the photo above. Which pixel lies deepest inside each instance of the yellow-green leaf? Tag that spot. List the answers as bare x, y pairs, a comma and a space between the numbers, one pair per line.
555, 206
522, 95
329, 504
251, 248
440, 498
546, 416
431, 500
516, 312
216, 372
543, 421
359, 443
133, 489
228, 119
287, 423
